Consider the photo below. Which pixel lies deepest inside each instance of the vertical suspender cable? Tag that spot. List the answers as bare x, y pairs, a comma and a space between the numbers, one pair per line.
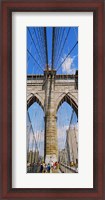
53, 33
45, 39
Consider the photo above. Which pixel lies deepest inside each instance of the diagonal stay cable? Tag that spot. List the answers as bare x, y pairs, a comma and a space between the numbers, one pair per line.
34, 59
60, 53
62, 45
75, 33
41, 39
39, 43
67, 55
35, 45
60, 38
31, 127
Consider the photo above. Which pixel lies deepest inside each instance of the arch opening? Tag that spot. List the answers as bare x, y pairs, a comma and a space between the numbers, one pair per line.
68, 99
67, 135
35, 136
32, 99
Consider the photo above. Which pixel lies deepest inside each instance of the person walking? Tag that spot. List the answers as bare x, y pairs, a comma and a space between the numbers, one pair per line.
48, 168
41, 168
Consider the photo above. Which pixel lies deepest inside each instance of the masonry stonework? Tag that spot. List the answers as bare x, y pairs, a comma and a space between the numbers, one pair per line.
50, 91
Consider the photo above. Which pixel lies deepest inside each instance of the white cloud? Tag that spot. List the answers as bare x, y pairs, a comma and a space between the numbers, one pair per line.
68, 65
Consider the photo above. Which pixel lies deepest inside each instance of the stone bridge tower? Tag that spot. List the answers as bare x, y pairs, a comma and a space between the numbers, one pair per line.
50, 91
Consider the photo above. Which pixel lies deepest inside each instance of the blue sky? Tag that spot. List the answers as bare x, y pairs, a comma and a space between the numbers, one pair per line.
37, 119
63, 120
66, 38
36, 49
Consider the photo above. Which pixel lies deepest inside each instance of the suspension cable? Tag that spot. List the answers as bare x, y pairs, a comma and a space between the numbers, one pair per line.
45, 39
53, 33
67, 55
35, 45
63, 46
34, 59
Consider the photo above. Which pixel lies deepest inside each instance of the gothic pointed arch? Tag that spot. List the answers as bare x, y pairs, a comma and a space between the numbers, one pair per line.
34, 98
66, 97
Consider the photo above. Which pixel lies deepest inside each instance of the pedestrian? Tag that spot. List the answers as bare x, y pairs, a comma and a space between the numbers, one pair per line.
44, 167
41, 168
48, 168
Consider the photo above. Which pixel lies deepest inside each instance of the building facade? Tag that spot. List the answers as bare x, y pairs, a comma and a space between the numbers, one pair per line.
72, 144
